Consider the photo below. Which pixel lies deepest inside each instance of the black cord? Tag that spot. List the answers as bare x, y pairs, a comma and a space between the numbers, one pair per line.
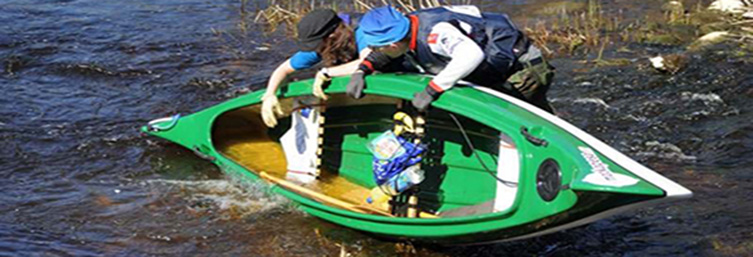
473, 149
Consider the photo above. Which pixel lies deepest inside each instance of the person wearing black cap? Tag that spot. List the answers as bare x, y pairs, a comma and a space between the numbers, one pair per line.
323, 37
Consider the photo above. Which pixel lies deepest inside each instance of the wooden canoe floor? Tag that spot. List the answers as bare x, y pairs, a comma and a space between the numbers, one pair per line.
267, 156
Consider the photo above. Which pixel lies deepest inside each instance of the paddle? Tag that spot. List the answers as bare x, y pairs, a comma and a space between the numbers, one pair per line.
322, 198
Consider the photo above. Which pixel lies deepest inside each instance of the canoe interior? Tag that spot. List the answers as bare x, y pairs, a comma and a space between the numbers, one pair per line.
455, 178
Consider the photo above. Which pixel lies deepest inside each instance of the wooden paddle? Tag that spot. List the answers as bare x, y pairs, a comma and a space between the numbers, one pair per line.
322, 198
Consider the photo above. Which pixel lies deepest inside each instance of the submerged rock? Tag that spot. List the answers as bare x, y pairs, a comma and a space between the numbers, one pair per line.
731, 6
709, 39
674, 10
672, 6
715, 36
671, 63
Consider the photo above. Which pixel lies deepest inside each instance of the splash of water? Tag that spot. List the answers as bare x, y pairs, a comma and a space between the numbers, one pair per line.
240, 199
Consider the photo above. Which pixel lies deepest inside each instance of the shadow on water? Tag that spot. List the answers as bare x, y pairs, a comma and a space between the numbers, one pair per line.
80, 77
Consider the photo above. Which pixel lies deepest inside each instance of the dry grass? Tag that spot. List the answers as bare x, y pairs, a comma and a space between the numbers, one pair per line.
590, 31
571, 31
586, 31
289, 12
741, 27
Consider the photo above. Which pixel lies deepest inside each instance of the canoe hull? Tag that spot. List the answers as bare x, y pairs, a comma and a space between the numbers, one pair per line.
593, 180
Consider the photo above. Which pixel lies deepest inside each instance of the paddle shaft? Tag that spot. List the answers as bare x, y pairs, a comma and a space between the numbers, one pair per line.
413, 210
322, 198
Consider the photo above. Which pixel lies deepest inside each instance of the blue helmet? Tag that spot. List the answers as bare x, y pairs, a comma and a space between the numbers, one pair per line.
383, 26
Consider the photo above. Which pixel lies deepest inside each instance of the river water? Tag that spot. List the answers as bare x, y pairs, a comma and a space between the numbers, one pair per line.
80, 77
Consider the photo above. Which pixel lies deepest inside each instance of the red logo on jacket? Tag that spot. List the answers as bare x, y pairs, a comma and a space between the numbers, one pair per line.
433, 38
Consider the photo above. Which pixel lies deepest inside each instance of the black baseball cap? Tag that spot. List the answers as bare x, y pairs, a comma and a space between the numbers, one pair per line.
315, 26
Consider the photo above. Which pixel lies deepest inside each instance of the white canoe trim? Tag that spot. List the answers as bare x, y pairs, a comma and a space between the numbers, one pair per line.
672, 189
586, 220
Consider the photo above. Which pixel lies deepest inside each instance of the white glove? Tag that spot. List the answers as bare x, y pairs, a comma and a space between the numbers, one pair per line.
319, 80
270, 106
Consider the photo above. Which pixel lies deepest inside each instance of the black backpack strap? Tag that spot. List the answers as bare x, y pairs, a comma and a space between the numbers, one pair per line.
456, 24
521, 46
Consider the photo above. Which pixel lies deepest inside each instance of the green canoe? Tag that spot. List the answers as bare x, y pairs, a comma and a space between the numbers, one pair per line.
496, 168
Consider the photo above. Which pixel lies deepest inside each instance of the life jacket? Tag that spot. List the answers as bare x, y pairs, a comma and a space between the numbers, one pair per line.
500, 40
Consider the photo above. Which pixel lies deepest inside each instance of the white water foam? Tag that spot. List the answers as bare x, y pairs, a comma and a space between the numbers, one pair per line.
708, 99
636, 118
597, 101
714, 104
242, 198
665, 151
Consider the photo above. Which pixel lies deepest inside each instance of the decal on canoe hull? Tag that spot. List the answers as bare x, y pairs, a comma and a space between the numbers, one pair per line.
600, 173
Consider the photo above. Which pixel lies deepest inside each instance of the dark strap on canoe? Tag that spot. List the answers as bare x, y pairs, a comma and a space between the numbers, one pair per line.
531, 138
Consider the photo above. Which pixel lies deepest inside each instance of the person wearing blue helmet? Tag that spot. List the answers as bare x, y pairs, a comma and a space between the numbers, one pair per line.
458, 43
325, 38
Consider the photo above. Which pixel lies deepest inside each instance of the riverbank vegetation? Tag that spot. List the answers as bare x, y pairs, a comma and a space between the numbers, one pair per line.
288, 12
566, 29
583, 30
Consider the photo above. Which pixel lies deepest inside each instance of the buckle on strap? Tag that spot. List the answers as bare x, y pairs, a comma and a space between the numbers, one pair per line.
535, 61
521, 45
532, 57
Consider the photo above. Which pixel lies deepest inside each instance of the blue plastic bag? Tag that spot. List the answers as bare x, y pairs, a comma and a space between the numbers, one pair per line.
385, 169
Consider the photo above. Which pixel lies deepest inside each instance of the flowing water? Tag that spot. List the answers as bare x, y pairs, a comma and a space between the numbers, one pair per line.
79, 77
